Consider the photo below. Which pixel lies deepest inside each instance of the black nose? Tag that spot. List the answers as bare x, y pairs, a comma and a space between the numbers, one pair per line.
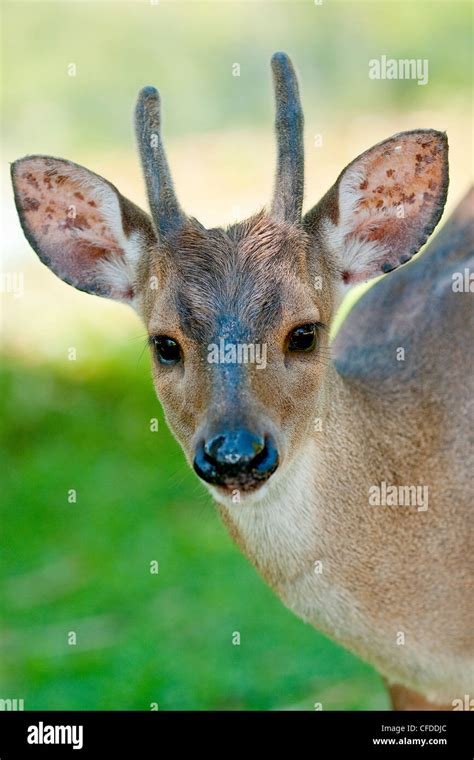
236, 458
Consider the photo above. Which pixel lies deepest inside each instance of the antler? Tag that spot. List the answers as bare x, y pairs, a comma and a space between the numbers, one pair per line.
165, 209
289, 184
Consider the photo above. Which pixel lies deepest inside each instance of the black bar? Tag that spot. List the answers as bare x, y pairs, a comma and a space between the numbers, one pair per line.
321, 734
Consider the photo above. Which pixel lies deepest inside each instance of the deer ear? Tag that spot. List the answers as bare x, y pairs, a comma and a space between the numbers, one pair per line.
80, 226
384, 205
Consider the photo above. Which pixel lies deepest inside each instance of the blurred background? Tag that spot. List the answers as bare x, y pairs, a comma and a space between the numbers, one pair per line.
71, 72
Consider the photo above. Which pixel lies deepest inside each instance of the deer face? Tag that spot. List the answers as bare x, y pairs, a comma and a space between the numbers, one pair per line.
238, 318
237, 355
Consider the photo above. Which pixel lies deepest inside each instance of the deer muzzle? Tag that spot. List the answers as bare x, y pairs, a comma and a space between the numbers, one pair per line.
236, 459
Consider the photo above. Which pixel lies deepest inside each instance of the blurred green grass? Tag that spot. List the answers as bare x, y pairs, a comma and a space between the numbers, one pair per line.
85, 566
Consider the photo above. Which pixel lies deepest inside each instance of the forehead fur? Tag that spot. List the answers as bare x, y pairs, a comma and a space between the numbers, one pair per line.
234, 280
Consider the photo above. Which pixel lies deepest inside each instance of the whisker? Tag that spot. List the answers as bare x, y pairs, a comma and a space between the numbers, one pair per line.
145, 346
138, 337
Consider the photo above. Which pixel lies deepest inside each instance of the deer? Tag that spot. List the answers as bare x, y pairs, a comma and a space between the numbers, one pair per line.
291, 449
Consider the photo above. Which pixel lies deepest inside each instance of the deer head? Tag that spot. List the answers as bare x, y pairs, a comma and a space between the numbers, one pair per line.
238, 318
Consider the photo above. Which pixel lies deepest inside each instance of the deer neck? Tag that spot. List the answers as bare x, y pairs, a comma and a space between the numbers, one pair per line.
287, 529
335, 560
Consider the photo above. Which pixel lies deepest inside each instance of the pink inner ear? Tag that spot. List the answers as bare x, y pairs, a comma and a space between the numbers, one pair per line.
62, 208
391, 197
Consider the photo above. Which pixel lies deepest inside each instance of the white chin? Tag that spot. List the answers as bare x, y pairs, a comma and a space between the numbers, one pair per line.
233, 498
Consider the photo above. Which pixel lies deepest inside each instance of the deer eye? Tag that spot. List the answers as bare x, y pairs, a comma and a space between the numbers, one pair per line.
167, 349
303, 338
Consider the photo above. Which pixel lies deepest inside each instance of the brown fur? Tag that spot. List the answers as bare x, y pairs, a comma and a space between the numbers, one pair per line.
214, 283
406, 699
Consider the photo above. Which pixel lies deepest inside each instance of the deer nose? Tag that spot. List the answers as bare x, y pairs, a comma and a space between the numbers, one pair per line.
236, 459
236, 448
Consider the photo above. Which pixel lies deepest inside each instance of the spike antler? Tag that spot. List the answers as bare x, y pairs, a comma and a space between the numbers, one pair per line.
289, 184
164, 206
